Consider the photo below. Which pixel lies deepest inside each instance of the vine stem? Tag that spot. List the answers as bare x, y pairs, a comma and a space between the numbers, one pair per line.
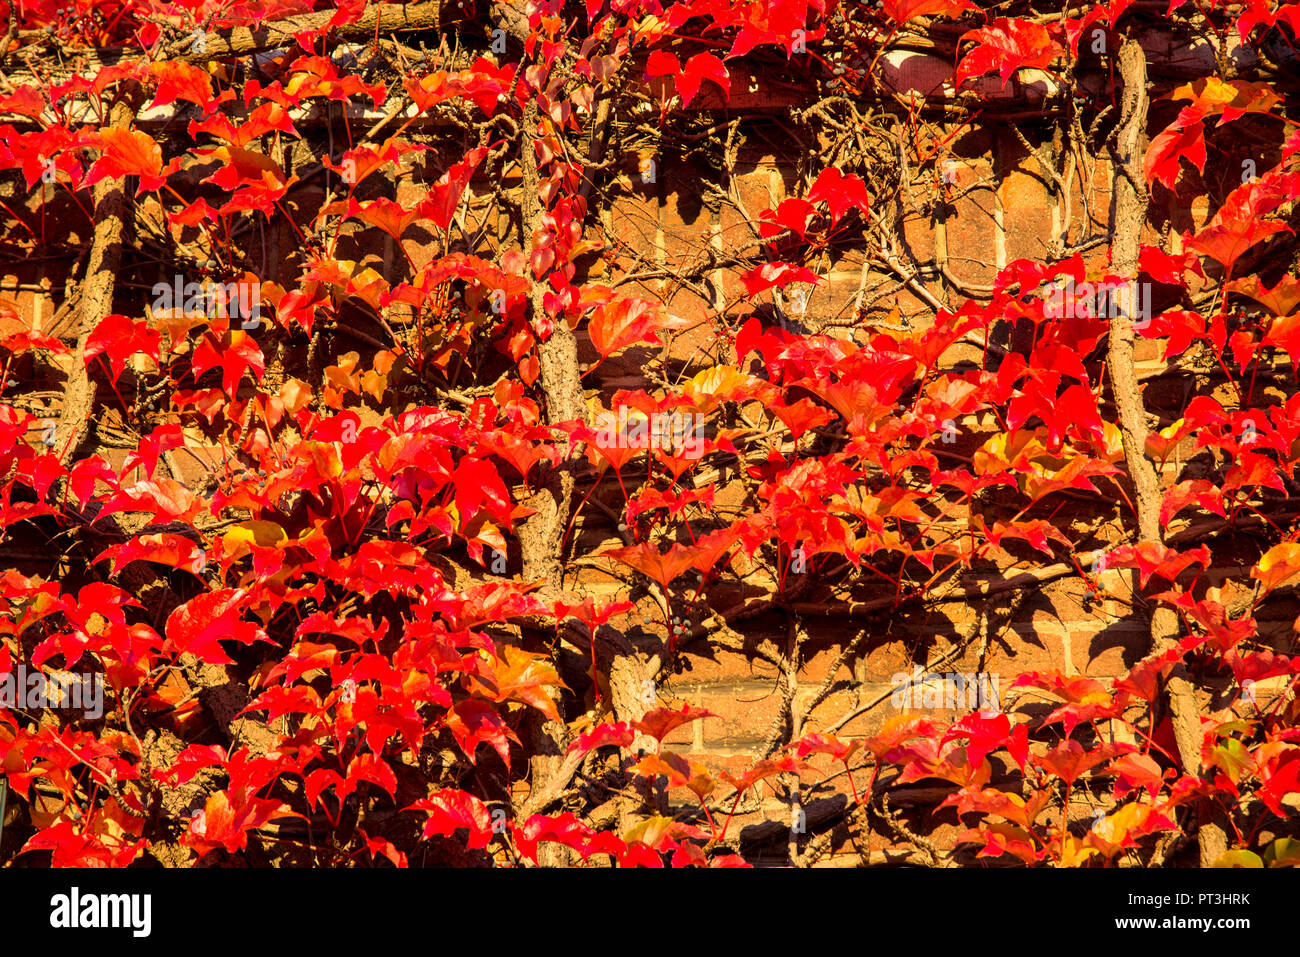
1129, 215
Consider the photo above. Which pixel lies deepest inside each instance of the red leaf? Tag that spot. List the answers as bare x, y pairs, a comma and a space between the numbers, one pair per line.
984, 733
590, 613
900, 11
563, 829
74, 848
1260, 665
701, 67
235, 353
1068, 760
27, 339
659, 722
267, 118
227, 818
370, 767
451, 810
1239, 223
639, 855
818, 743
165, 548
1007, 45
775, 274
474, 722
1281, 783
377, 846
1168, 268
178, 79
161, 498
765, 769
839, 192
1175, 143
162, 439
444, 196
616, 325
126, 153
1133, 771
646, 558
120, 338
382, 213
1152, 558
662, 63
198, 625
1199, 492
621, 735
792, 214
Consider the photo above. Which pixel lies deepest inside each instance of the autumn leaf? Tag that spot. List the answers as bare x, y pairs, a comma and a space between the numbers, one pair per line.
900, 11
159, 498
1176, 143
228, 816
197, 626
1239, 224
235, 353
984, 732
661, 721
520, 675
1121, 828
385, 214
775, 274
451, 810
563, 829
620, 735
474, 722
618, 324
127, 152
1277, 567
1007, 45
817, 743
701, 67
681, 772
1069, 759
444, 196
1136, 771
179, 80
1283, 299
164, 548
840, 193
1154, 559
74, 846
646, 558
764, 769
1230, 99
119, 337
162, 439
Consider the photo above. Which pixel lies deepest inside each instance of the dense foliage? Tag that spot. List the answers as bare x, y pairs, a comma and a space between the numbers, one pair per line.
360, 636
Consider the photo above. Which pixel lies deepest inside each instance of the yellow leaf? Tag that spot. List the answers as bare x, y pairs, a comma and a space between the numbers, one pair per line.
1279, 566
1074, 853
253, 532
295, 394
708, 389
1240, 857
